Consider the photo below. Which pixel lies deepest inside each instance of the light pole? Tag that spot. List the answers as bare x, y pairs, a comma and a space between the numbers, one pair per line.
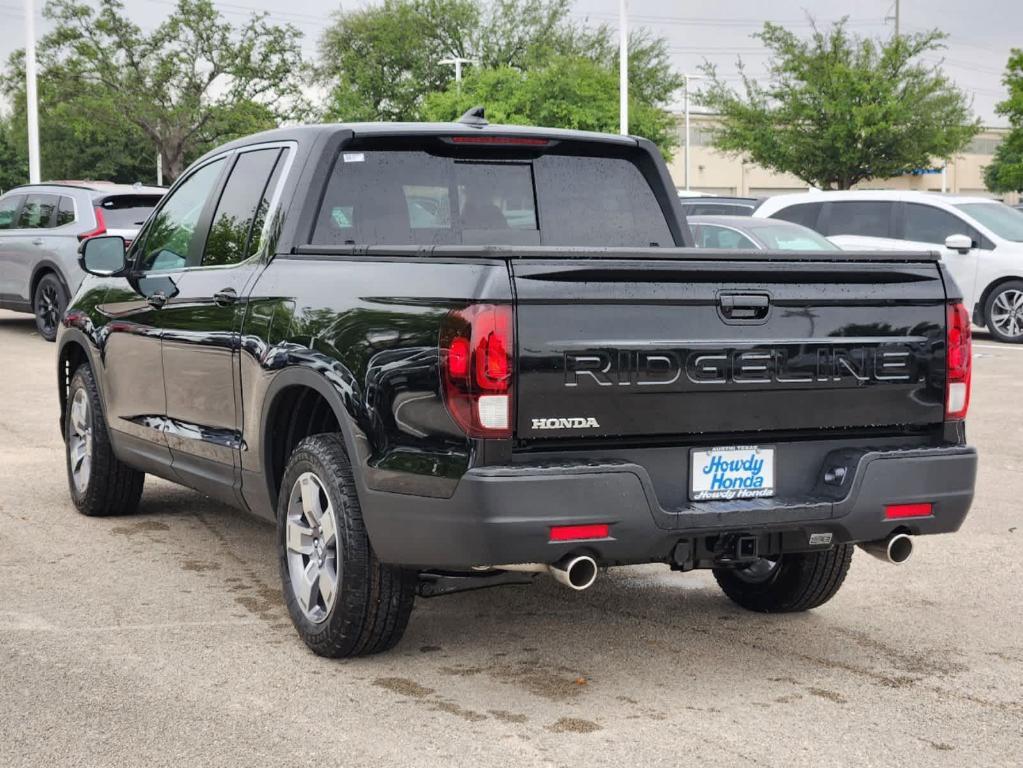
458, 61
685, 97
31, 101
623, 68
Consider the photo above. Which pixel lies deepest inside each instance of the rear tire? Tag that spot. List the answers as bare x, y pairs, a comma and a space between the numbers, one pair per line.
1003, 312
796, 582
48, 303
342, 600
99, 482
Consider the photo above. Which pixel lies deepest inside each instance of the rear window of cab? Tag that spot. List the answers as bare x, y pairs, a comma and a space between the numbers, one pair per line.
385, 196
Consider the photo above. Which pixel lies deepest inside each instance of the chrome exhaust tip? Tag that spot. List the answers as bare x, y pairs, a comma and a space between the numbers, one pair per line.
896, 549
576, 573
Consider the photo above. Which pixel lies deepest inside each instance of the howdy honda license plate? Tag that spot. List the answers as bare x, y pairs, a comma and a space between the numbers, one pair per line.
735, 472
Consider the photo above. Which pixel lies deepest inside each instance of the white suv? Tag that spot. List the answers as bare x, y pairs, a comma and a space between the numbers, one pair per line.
980, 240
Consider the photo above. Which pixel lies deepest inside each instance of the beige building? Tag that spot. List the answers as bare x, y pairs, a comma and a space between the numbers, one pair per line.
720, 174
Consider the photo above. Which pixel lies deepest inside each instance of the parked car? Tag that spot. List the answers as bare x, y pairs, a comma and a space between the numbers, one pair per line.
451, 356
980, 241
748, 233
41, 227
719, 206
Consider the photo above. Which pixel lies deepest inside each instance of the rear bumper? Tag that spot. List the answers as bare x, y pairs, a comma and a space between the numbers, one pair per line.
503, 514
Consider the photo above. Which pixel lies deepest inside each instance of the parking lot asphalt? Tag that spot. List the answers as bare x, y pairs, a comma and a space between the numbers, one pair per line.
161, 640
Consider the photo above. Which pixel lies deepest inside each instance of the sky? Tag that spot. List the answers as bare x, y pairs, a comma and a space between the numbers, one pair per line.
981, 32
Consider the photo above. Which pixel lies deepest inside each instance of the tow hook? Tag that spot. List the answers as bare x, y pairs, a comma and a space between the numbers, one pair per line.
738, 548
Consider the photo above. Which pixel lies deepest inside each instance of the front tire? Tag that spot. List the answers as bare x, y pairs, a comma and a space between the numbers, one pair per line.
48, 303
100, 483
342, 600
788, 583
1003, 312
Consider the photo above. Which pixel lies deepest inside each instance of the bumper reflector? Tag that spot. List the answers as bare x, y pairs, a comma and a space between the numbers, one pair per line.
579, 532
895, 511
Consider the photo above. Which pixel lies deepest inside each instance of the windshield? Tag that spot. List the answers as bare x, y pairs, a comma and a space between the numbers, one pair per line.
791, 238
998, 217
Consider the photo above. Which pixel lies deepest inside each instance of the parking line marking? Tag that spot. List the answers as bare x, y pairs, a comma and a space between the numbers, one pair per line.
998, 346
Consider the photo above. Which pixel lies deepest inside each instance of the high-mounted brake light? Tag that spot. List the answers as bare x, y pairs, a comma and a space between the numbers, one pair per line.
101, 226
958, 363
476, 348
527, 141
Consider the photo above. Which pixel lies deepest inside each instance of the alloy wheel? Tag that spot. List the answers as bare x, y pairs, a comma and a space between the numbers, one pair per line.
48, 308
1007, 312
311, 542
80, 440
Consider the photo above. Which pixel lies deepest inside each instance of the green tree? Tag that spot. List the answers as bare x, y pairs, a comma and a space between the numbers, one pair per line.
378, 62
566, 92
72, 146
839, 109
13, 169
1005, 173
383, 63
191, 83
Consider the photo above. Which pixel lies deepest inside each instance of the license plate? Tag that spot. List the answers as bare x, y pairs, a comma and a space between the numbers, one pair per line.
733, 472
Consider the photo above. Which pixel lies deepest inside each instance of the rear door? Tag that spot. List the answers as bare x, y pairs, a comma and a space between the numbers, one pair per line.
201, 326
33, 241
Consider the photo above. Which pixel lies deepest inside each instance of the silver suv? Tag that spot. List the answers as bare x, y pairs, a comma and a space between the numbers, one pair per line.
41, 227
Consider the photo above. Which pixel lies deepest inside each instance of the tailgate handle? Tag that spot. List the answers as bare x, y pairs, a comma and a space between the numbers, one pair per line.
744, 306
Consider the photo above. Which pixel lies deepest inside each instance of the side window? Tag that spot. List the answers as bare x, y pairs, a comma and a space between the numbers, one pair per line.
65, 211
37, 213
713, 236
806, 214
240, 207
9, 209
866, 218
172, 236
926, 224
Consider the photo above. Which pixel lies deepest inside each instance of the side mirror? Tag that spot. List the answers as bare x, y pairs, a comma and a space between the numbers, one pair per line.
960, 243
103, 256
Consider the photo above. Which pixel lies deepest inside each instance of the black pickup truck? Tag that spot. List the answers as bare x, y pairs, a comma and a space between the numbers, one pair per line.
451, 356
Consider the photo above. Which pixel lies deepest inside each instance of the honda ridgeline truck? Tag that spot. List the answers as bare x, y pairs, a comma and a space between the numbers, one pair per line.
450, 356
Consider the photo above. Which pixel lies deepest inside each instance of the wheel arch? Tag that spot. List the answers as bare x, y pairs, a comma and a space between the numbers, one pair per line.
72, 353
299, 403
42, 268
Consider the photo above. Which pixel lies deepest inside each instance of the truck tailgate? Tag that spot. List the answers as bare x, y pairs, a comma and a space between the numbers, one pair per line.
635, 346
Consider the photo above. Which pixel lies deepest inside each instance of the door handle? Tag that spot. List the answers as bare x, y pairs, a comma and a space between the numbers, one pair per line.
225, 297
744, 307
157, 300
38, 241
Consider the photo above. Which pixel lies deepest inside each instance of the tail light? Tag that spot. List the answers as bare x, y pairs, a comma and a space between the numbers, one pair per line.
101, 226
958, 363
476, 354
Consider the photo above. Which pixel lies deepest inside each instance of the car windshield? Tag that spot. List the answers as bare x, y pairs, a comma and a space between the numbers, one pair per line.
998, 217
778, 237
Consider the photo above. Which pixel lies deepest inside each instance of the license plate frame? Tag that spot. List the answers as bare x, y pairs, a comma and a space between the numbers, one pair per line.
725, 484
